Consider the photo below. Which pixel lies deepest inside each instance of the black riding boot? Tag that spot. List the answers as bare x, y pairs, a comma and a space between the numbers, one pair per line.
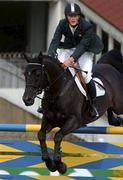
91, 90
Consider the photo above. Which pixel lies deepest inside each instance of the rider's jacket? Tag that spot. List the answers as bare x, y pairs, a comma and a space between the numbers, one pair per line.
83, 39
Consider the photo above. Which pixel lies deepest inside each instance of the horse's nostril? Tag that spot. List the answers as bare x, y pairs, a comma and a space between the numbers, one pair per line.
29, 99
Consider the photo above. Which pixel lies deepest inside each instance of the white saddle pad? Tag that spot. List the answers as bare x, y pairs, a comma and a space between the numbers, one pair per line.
100, 91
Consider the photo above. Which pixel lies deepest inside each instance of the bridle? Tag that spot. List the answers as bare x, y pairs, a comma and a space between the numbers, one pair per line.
39, 66
44, 72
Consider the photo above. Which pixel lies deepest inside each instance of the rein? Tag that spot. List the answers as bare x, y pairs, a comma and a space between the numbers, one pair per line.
51, 84
48, 87
48, 78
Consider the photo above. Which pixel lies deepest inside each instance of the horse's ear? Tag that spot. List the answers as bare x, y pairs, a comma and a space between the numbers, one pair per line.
26, 57
40, 55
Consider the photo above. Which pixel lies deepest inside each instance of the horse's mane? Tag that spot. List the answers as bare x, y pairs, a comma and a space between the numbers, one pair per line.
52, 59
44, 57
114, 58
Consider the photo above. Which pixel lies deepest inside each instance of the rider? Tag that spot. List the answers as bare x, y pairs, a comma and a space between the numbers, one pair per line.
79, 46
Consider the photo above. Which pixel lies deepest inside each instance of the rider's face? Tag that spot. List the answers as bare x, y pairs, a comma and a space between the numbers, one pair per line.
73, 20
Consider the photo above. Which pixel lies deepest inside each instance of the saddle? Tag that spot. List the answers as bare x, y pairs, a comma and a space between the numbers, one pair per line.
81, 79
100, 89
79, 76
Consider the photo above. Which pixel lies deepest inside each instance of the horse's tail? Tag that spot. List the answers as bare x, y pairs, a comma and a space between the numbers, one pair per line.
114, 58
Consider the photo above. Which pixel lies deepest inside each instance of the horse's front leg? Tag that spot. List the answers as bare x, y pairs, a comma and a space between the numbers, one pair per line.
70, 125
45, 128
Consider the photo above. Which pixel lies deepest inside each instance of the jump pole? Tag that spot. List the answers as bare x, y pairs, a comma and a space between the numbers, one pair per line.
84, 130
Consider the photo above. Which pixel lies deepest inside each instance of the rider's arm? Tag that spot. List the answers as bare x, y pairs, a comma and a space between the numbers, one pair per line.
56, 39
84, 43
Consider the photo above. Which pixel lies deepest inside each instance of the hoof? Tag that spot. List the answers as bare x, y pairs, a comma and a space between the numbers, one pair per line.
51, 165
116, 121
61, 167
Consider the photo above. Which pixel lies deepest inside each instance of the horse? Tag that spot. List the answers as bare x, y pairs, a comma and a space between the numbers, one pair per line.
63, 104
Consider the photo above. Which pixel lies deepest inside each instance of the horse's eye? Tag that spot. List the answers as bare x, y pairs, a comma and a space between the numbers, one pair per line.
29, 73
24, 73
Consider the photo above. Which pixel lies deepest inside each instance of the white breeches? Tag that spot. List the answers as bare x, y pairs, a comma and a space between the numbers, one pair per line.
85, 62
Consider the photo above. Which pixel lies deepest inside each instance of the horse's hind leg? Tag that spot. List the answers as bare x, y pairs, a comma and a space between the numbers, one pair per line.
69, 126
45, 128
114, 121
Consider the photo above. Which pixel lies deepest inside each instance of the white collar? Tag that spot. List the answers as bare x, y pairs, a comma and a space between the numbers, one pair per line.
73, 28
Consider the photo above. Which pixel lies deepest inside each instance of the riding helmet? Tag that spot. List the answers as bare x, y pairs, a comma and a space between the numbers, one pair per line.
72, 9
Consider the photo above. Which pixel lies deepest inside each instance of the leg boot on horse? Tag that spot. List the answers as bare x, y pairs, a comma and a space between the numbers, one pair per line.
91, 91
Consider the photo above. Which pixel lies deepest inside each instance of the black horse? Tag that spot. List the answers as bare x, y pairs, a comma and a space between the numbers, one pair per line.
63, 104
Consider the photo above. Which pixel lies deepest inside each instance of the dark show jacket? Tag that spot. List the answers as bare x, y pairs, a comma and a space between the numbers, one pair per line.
83, 39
